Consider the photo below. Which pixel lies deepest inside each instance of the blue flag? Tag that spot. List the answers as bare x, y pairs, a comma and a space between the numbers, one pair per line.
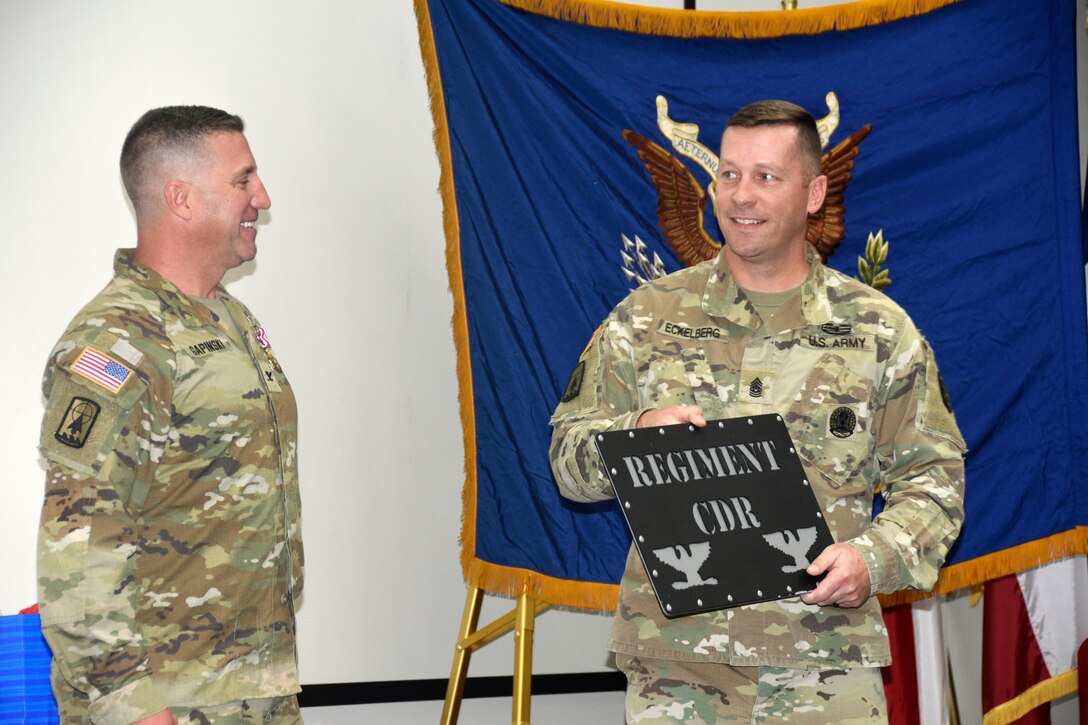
969, 174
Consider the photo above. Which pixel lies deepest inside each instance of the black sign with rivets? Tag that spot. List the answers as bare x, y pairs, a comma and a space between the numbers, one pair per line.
722, 515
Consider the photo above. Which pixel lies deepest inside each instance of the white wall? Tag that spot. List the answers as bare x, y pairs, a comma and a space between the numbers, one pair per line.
350, 282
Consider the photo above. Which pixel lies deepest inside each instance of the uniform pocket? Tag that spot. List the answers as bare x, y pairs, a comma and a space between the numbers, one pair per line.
683, 378
831, 420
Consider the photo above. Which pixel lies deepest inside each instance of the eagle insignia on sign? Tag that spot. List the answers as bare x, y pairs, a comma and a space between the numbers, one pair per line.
681, 200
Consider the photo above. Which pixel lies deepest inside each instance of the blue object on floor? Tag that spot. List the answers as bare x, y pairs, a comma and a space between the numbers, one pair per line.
25, 693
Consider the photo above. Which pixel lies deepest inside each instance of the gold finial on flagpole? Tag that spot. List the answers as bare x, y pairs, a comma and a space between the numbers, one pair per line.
789, 4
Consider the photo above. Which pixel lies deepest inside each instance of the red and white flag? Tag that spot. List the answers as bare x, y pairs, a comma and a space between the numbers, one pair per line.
1032, 625
916, 683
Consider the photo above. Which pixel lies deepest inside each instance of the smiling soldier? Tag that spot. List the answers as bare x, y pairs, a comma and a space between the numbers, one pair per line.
170, 552
867, 411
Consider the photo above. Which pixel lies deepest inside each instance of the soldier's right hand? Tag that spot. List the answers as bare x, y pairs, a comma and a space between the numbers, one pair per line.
672, 415
160, 718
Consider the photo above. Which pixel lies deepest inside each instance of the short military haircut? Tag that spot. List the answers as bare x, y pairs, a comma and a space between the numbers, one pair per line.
784, 113
168, 134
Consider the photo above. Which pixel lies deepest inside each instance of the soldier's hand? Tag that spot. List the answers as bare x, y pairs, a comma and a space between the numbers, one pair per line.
160, 718
671, 416
847, 581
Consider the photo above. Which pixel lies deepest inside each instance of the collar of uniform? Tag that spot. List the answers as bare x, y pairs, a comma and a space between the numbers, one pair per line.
243, 319
724, 298
125, 265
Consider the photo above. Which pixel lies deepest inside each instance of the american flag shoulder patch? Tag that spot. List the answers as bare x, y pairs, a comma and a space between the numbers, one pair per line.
101, 369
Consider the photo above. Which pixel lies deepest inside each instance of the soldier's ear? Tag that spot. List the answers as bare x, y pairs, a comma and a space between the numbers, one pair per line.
817, 191
177, 197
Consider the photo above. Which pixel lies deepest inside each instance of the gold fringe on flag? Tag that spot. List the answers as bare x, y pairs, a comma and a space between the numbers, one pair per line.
998, 564
492, 578
1013, 560
715, 24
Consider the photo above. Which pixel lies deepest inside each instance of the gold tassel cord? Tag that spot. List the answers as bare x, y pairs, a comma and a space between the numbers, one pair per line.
725, 24
1031, 698
953, 704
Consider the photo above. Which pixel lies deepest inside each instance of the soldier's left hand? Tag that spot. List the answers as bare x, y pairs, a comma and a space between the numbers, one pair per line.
847, 581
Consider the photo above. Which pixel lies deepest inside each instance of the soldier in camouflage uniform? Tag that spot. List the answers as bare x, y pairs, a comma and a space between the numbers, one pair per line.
170, 553
766, 328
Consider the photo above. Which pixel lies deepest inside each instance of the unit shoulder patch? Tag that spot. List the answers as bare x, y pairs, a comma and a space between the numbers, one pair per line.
935, 411
574, 384
82, 420
945, 397
580, 393
78, 420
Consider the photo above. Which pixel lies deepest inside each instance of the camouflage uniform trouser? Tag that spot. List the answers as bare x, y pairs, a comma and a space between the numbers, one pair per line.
72, 707
665, 692
269, 710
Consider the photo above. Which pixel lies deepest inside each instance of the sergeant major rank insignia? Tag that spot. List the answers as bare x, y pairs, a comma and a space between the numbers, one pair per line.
77, 422
755, 390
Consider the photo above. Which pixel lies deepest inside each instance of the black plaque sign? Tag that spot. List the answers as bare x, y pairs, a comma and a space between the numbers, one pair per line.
722, 515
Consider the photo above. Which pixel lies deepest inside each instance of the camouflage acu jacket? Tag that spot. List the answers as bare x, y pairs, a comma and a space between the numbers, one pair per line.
693, 337
170, 552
